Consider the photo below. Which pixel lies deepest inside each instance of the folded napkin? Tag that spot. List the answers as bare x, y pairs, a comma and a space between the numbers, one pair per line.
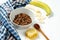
6, 27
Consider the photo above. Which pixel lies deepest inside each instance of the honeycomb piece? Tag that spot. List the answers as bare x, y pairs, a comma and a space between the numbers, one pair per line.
31, 33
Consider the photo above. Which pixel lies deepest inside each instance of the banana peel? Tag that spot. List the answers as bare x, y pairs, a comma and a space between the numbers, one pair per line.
42, 5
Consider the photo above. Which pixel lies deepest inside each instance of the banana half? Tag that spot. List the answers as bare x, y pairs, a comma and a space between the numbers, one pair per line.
42, 5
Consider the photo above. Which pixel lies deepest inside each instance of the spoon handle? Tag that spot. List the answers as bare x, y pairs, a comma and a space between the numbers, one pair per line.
44, 34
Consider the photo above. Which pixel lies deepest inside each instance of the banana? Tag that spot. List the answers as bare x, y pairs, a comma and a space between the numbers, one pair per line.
42, 5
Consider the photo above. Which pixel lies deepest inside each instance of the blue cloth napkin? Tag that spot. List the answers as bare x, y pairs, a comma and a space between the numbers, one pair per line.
6, 27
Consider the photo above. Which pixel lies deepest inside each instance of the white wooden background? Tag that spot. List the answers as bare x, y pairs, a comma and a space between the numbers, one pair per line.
52, 25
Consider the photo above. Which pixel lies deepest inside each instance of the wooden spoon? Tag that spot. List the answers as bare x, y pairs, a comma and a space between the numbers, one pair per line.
37, 27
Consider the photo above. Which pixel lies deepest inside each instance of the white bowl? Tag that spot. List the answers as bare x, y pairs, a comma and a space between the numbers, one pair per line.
22, 10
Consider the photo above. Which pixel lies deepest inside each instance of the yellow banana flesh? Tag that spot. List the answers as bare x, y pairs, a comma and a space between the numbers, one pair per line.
42, 5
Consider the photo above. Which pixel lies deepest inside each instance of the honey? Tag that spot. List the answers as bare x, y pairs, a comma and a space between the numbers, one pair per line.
32, 33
